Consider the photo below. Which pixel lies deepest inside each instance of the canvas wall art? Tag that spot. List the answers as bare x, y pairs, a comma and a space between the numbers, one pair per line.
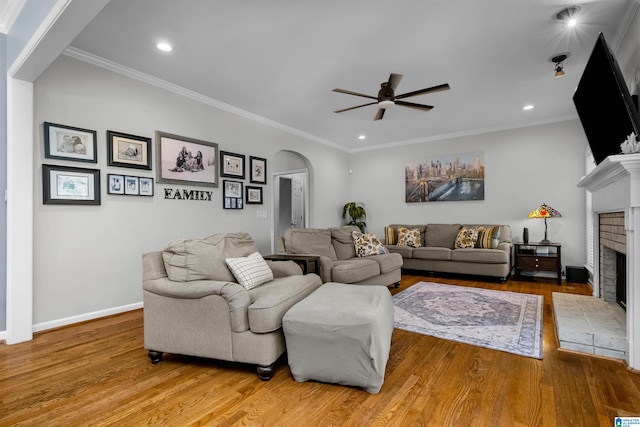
451, 177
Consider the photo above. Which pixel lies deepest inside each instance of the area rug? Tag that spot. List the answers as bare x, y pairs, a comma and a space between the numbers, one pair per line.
500, 320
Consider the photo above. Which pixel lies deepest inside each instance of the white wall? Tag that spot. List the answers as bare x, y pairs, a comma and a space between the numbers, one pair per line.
88, 258
523, 168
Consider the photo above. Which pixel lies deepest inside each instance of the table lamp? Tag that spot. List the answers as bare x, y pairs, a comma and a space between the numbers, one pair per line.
544, 211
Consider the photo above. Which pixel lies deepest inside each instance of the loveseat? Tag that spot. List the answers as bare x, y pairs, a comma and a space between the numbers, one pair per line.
339, 261
453, 248
194, 304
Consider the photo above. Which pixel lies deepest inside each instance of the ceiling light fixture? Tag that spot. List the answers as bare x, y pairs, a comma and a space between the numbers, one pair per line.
568, 15
361, 137
558, 59
528, 107
164, 46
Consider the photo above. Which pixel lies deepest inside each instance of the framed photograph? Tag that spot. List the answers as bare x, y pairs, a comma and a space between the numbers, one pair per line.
254, 195
186, 161
232, 165
258, 168
232, 194
62, 185
70, 143
131, 185
146, 186
115, 184
128, 151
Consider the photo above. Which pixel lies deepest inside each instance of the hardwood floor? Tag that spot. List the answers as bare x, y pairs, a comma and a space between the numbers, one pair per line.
97, 374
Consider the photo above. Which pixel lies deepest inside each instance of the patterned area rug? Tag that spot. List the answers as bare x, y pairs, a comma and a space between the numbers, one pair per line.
506, 321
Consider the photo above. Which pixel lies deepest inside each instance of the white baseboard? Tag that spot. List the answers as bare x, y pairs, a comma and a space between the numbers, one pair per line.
3, 336
84, 317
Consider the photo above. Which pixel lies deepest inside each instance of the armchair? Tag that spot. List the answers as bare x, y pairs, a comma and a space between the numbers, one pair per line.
194, 306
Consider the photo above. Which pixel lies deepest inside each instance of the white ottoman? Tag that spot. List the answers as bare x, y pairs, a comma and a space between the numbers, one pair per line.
341, 334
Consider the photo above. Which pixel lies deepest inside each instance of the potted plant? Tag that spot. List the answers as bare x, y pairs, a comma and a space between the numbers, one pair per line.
356, 212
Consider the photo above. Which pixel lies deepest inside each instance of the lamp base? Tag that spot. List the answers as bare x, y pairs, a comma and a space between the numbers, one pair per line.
546, 242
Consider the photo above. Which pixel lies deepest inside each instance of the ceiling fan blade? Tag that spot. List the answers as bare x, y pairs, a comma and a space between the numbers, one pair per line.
379, 114
394, 81
348, 92
414, 106
353, 108
433, 89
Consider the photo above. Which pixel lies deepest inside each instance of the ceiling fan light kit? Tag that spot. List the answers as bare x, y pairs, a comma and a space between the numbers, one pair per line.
558, 60
387, 98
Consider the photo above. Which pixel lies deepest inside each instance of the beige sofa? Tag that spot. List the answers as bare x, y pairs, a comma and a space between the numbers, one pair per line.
194, 306
437, 252
338, 260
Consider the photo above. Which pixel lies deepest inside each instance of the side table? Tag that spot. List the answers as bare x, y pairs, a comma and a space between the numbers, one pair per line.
304, 261
528, 257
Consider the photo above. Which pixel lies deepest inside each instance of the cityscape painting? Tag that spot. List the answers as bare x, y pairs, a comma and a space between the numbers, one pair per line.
450, 177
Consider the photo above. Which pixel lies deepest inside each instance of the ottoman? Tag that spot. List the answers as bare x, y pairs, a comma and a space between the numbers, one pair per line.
341, 334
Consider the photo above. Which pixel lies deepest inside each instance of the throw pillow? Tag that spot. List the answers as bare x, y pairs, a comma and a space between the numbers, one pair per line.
488, 237
467, 238
408, 237
367, 244
250, 271
390, 236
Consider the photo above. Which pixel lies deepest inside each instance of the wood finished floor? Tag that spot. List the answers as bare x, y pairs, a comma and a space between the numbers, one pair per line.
98, 374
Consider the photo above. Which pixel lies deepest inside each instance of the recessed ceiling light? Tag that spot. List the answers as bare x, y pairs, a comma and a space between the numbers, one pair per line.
361, 137
527, 107
164, 46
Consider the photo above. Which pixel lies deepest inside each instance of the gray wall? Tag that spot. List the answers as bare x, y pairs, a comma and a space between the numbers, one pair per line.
87, 258
523, 168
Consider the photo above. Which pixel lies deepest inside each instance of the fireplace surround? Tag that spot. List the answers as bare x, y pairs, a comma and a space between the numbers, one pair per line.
615, 188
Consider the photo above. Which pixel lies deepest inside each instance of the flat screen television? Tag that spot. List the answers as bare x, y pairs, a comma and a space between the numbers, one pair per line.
604, 104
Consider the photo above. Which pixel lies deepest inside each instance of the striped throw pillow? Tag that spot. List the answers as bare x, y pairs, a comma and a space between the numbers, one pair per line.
250, 271
389, 236
488, 238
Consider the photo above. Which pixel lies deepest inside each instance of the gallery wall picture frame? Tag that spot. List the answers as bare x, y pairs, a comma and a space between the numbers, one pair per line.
115, 184
70, 143
64, 185
232, 165
146, 186
131, 185
257, 170
182, 160
128, 151
253, 195
232, 194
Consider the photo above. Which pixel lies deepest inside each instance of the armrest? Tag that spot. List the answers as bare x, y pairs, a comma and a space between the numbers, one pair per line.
284, 268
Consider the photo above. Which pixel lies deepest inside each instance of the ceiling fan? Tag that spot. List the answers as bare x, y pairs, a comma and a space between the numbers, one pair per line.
386, 96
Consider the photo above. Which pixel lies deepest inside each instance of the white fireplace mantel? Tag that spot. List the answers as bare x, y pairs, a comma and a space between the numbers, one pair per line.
615, 186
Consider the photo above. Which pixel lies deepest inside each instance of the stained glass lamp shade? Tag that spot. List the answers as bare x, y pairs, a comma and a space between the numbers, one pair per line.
544, 211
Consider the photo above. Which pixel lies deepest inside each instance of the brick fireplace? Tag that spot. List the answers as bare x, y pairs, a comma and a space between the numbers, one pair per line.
615, 188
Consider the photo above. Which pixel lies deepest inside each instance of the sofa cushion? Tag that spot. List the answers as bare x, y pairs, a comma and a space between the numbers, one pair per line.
250, 271
432, 253
485, 256
466, 238
204, 259
387, 262
488, 238
342, 241
409, 237
354, 270
367, 244
441, 235
272, 300
404, 251
316, 241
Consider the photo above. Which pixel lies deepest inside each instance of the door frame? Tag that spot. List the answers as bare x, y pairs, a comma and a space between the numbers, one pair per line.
275, 201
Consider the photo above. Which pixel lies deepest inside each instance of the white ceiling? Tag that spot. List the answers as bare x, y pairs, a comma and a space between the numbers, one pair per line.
280, 59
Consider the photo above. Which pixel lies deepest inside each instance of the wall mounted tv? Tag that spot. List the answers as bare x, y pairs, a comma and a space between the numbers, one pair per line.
604, 104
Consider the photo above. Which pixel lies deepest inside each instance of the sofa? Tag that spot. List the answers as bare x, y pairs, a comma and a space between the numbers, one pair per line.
339, 261
470, 249
217, 298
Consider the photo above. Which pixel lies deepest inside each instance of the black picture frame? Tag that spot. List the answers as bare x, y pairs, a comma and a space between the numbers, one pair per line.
253, 195
232, 165
115, 184
173, 149
232, 194
64, 185
70, 143
257, 170
146, 186
128, 151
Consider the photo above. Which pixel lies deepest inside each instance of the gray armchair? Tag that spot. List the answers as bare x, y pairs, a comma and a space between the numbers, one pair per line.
194, 306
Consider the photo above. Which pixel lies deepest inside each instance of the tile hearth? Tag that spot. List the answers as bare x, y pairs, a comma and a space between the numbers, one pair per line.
590, 325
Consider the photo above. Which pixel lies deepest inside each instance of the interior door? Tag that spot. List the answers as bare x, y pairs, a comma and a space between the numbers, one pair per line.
290, 203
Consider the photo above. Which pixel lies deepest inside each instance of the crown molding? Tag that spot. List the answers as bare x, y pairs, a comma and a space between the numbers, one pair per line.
9, 11
179, 90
